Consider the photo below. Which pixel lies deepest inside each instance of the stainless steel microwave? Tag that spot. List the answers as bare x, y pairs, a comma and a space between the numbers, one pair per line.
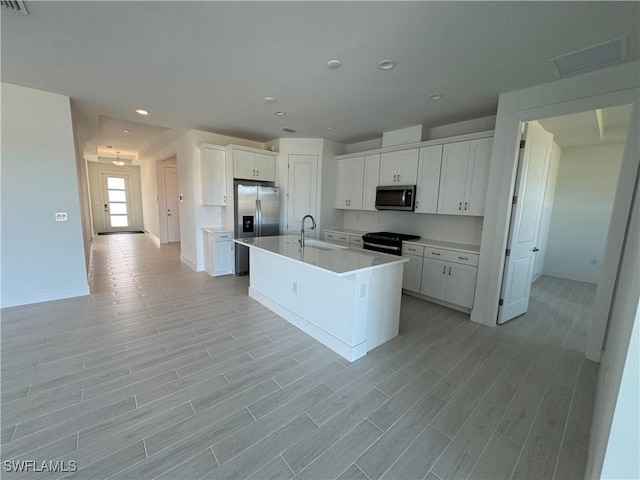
396, 197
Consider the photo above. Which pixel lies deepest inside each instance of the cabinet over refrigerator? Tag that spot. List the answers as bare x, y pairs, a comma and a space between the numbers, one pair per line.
257, 214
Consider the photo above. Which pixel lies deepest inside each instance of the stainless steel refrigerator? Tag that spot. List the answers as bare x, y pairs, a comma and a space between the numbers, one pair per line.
257, 214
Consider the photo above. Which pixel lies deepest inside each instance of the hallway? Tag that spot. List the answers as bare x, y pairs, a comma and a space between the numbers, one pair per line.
163, 372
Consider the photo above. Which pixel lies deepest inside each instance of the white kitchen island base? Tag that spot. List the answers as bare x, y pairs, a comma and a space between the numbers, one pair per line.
350, 312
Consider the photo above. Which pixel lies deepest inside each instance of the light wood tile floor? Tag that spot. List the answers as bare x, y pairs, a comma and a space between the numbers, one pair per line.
166, 373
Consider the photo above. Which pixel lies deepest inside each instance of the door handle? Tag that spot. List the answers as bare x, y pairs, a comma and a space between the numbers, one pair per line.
444, 270
449, 270
465, 205
106, 207
460, 206
535, 249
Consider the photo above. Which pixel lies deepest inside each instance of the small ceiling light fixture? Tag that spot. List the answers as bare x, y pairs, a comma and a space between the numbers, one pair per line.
328, 127
142, 111
334, 64
279, 114
288, 129
118, 161
269, 99
386, 64
436, 96
126, 130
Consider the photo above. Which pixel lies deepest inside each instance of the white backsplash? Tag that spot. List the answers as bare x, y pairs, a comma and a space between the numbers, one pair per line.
449, 228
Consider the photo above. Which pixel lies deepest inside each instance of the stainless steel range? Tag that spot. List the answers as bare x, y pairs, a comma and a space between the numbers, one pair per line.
386, 242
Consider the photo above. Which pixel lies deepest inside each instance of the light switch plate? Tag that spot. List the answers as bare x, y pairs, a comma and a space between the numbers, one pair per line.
62, 217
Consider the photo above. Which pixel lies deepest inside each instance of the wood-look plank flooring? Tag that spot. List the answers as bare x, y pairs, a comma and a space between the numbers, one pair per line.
166, 373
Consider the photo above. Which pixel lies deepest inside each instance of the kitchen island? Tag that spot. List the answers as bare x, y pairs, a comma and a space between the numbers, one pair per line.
347, 299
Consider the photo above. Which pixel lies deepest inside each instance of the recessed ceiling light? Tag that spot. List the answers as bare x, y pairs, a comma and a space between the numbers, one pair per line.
142, 112
126, 130
333, 64
269, 99
386, 64
435, 96
280, 114
328, 127
288, 129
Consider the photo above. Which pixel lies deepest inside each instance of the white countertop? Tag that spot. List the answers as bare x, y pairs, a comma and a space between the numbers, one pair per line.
424, 242
216, 230
340, 261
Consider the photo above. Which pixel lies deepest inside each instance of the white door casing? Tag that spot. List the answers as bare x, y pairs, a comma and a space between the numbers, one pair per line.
302, 190
533, 166
172, 203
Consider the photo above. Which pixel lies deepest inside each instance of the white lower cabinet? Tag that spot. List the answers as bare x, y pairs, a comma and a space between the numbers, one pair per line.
452, 282
219, 253
412, 276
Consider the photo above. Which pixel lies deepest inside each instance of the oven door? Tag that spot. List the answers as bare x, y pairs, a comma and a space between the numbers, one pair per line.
377, 247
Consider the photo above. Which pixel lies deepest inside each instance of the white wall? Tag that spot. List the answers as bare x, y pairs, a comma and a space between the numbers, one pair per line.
41, 259
547, 208
585, 189
96, 193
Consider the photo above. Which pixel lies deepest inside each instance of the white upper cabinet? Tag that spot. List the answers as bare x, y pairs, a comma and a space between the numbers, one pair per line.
428, 179
250, 165
463, 177
213, 175
399, 167
349, 183
371, 178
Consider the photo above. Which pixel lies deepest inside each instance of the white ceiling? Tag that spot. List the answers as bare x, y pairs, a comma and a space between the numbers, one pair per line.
209, 65
596, 127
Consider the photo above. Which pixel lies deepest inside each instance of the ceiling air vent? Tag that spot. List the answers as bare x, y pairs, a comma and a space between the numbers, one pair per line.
288, 129
16, 6
593, 57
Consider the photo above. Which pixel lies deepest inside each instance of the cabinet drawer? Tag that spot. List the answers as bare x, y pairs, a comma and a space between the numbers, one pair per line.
452, 256
336, 237
356, 241
222, 236
409, 249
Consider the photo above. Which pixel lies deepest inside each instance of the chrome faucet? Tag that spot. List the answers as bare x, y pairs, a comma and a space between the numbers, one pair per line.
313, 226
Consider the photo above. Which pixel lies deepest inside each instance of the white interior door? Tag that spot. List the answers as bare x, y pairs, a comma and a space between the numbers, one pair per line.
117, 202
172, 203
533, 166
301, 198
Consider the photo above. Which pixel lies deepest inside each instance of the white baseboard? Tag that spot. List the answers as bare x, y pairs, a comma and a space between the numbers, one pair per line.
350, 353
578, 277
152, 236
38, 297
188, 262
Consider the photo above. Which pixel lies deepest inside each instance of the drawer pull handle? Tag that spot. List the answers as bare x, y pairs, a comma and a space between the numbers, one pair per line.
449, 270
463, 258
434, 253
444, 270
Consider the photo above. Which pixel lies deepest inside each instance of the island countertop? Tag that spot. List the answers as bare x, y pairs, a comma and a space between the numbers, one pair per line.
341, 261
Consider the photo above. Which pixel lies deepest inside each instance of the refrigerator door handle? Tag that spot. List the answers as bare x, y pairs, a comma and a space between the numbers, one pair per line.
258, 219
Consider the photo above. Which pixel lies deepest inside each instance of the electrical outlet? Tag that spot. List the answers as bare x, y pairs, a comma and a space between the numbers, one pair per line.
62, 217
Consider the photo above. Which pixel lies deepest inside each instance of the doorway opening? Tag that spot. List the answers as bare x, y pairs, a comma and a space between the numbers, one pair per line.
566, 182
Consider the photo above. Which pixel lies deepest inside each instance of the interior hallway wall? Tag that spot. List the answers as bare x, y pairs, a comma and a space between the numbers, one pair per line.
584, 194
42, 259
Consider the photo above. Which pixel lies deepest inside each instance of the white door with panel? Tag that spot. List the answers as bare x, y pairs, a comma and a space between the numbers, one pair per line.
399, 168
371, 180
302, 190
428, 179
117, 202
172, 202
533, 165
349, 183
434, 280
253, 166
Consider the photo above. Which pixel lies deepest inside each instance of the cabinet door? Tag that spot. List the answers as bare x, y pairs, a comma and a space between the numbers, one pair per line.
371, 179
243, 165
477, 176
265, 167
389, 168
412, 275
428, 179
434, 278
214, 179
461, 284
453, 176
343, 183
357, 183
407, 167
222, 258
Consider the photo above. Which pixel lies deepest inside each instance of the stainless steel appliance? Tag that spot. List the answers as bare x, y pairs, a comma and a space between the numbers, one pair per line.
396, 197
257, 214
386, 242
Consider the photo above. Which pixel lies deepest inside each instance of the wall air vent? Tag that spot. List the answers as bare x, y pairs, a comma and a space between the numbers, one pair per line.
593, 57
288, 129
16, 6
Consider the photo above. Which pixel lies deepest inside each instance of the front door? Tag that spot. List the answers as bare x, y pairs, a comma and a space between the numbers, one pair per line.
172, 202
533, 166
117, 202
